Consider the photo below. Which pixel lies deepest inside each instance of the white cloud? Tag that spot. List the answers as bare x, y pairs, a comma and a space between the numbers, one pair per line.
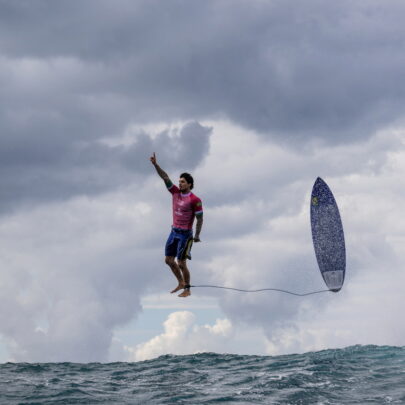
183, 336
71, 272
273, 248
368, 311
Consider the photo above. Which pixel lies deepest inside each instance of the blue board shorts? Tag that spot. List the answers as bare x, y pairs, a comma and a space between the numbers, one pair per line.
179, 243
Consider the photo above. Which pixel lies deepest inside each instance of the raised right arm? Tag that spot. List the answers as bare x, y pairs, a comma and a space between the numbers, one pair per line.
160, 171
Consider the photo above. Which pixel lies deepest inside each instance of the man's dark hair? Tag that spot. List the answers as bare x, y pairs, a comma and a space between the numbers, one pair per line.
189, 179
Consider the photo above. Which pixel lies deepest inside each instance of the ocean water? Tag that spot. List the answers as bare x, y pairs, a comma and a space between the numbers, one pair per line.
355, 375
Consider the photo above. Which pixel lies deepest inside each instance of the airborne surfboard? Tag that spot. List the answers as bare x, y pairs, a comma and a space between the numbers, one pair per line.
328, 236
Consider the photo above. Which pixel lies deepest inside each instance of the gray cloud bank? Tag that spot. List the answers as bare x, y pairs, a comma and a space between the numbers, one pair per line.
298, 69
55, 168
75, 73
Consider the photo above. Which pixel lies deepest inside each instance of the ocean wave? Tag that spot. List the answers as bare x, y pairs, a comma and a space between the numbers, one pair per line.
353, 375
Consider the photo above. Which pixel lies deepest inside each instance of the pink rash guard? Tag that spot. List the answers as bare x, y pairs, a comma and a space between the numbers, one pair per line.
185, 208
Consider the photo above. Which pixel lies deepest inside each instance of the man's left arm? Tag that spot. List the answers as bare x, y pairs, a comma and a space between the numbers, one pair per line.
198, 227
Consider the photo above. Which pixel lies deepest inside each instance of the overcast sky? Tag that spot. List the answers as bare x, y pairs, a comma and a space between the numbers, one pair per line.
256, 99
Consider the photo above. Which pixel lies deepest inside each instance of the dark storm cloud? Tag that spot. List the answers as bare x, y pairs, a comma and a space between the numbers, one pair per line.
74, 73
55, 168
308, 68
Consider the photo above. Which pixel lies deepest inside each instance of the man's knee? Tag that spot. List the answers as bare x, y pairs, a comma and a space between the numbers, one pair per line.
182, 264
169, 260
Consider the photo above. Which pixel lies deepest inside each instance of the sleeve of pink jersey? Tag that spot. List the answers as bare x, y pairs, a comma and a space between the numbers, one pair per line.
197, 205
172, 188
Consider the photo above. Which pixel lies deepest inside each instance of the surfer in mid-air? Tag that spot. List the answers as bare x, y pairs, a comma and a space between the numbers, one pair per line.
186, 207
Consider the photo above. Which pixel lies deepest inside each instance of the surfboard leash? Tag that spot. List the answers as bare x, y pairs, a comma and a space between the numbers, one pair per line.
261, 289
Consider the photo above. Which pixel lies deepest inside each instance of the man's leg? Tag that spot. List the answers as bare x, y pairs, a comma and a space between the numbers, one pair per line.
186, 278
169, 260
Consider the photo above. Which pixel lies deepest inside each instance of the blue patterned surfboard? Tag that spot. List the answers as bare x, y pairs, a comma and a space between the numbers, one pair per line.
328, 236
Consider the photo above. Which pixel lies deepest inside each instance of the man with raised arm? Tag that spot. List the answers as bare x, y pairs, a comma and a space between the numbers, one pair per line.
186, 206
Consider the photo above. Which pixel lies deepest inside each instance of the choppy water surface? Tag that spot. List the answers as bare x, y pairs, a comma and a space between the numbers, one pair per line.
355, 375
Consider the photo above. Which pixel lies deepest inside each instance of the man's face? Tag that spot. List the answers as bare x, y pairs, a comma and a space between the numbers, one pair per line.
183, 185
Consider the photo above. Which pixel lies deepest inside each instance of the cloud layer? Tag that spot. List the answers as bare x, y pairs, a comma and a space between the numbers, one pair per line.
41, 170
296, 70
182, 336
256, 99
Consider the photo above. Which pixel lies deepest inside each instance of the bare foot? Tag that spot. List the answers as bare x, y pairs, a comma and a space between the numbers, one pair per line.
179, 287
185, 293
